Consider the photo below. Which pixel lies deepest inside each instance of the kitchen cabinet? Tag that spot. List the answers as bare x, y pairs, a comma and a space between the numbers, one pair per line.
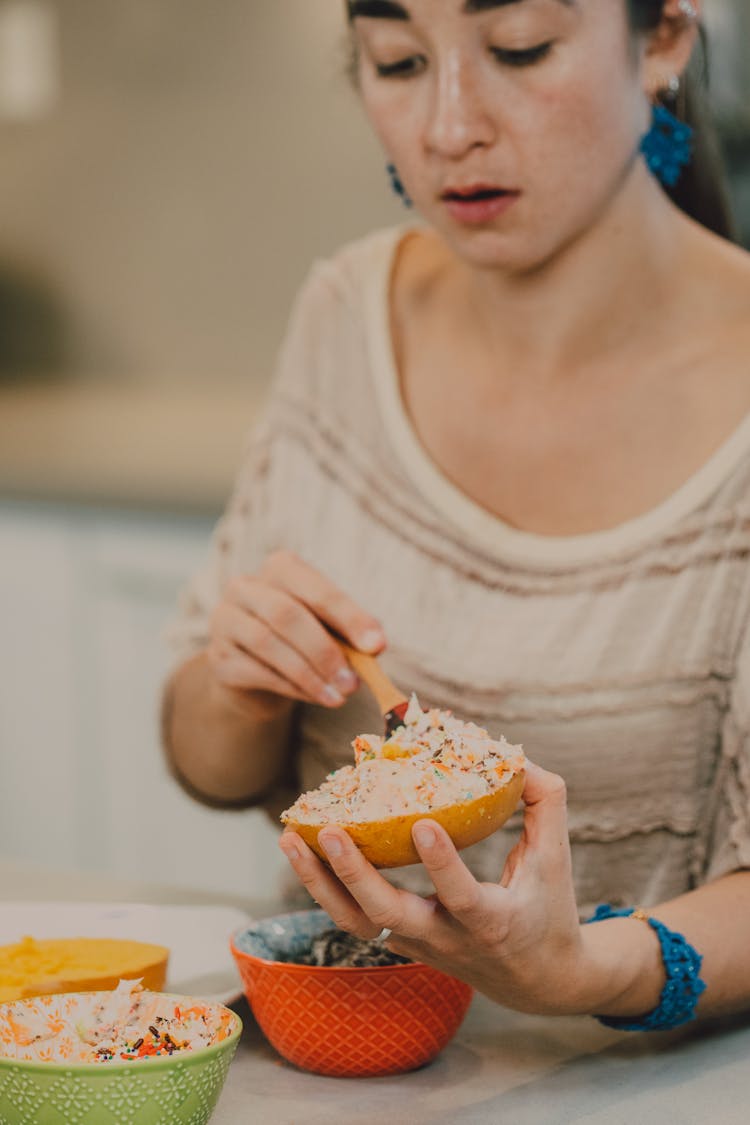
85, 598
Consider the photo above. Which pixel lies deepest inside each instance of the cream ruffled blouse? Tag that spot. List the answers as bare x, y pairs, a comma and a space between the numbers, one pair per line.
618, 659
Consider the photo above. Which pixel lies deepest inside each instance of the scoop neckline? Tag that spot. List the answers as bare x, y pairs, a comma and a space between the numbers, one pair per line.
481, 526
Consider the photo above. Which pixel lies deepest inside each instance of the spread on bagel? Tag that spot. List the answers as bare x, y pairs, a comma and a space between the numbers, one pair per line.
432, 761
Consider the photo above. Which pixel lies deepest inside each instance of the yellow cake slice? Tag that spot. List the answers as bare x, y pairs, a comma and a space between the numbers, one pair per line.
33, 967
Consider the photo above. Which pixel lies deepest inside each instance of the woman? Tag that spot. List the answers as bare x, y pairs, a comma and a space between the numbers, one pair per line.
511, 450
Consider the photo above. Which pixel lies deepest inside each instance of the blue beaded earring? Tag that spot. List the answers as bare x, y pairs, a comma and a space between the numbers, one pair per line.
397, 186
668, 145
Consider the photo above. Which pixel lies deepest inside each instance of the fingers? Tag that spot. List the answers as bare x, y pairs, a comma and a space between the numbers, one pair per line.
357, 896
326, 601
457, 889
325, 888
279, 619
288, 637
243, 673
259, 656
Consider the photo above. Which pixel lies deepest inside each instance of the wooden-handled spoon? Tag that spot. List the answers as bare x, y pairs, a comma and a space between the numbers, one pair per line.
391, 701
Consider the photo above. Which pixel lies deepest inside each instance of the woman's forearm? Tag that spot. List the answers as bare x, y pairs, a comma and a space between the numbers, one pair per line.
224, 751
626, 973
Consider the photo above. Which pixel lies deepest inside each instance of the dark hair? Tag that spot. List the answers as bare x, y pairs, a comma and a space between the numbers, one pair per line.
702, 190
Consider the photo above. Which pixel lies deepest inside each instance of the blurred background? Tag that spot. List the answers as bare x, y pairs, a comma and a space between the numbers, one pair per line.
170, 170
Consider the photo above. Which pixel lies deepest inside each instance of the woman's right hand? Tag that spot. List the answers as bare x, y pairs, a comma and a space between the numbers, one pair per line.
269, 643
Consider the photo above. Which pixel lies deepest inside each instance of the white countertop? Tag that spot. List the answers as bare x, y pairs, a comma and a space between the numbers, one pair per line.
144, 446
501, 1067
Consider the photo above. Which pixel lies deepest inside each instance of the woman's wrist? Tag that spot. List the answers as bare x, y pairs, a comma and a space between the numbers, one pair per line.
613, 968
622, 970
222, 754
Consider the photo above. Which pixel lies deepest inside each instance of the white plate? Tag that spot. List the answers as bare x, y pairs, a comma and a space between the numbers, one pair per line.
200, 962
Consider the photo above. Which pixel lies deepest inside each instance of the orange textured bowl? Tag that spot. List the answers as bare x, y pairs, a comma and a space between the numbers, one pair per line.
389, 843
340, 1021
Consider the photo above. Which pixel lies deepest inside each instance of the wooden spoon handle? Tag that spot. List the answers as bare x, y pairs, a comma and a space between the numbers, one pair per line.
386, 693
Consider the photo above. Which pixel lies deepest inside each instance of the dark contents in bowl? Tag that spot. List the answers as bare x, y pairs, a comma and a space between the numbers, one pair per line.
342, 950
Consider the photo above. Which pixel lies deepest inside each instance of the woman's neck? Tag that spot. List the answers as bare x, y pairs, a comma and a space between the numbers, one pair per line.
610, 288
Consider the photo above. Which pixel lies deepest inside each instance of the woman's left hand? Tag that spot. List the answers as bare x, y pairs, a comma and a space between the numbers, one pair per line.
518, 941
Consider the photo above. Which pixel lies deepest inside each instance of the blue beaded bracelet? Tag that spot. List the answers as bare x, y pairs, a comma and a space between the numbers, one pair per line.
682, 965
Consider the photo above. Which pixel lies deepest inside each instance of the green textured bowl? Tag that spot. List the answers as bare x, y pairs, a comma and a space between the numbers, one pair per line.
181, 1089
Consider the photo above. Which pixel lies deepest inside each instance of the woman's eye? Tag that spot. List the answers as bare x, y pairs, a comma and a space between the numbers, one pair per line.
403, 68
525, 57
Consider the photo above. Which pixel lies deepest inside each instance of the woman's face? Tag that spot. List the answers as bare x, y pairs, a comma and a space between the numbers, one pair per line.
512, 123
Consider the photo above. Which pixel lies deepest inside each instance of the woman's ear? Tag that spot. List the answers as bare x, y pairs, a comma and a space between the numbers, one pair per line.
668, 48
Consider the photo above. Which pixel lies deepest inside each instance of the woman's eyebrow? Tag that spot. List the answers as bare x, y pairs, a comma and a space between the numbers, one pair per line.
391, 10
472, 6
377, 9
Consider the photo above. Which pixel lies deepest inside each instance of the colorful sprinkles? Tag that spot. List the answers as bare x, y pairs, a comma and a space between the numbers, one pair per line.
157, 1041
128, 1024
433, 760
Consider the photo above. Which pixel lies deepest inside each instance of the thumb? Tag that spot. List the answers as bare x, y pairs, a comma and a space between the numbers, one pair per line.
545, 819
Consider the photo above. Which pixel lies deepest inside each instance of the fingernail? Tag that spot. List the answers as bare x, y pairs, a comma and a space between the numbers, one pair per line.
331, 846
290, 851
331, 696
371, 639
424, 835
345, 680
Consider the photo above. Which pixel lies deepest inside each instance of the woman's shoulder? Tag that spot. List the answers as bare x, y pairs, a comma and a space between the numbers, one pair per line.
718, 272
404, 260
711, 318
331, 301
335, 313
352, 269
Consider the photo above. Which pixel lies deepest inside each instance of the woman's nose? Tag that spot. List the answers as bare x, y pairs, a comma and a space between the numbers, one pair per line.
459, 118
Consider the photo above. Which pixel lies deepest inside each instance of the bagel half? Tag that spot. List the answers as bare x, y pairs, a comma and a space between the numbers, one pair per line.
388, 842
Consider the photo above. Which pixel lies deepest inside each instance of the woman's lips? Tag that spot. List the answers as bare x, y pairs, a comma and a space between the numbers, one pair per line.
479, 203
